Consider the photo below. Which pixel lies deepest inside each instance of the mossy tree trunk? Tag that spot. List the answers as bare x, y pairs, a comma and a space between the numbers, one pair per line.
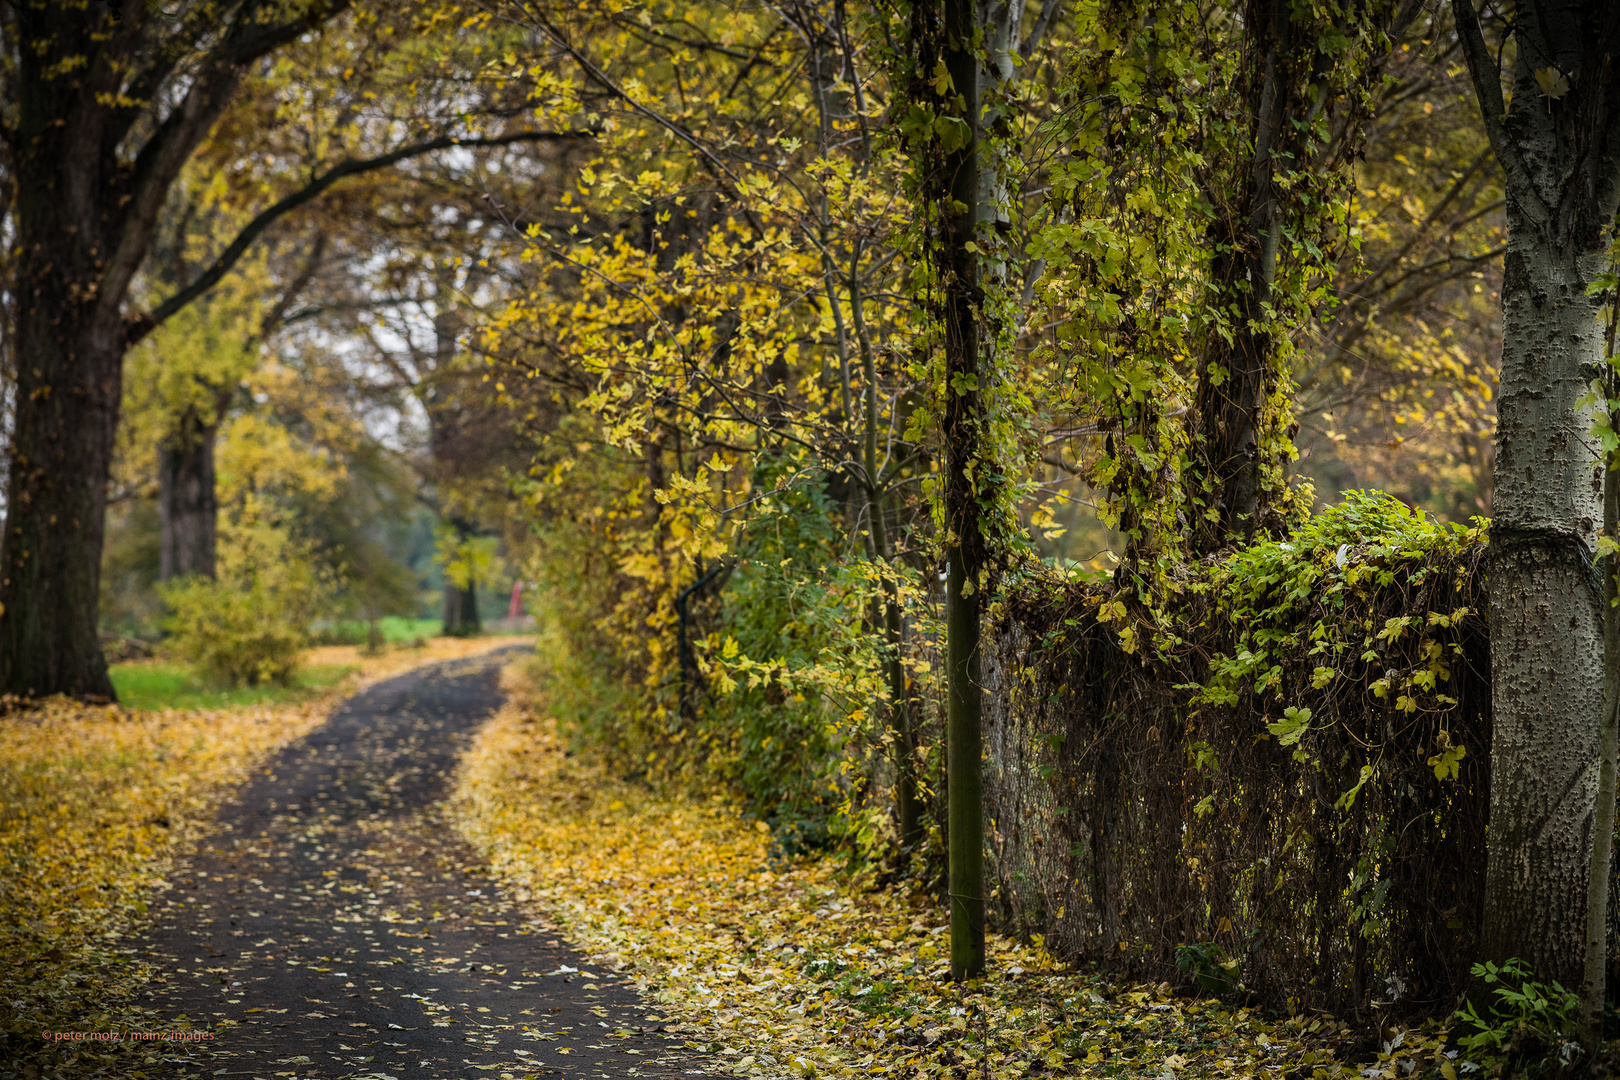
1238, 375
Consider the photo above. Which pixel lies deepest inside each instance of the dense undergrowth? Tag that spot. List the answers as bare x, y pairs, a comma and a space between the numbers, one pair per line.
759, 675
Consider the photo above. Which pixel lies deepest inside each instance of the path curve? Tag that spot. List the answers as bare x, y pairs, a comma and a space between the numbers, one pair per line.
340, 928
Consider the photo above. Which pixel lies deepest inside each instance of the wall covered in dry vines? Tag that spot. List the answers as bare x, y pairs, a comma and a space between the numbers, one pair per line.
1147, 800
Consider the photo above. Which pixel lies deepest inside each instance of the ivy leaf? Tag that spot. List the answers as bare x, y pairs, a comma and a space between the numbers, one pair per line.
1448, 762
1348, 799
1292, 727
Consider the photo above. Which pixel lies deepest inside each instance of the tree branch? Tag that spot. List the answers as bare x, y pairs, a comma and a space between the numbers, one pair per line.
145, 324
166, 152
1043, 23
724, 176
1488, 89
276, 317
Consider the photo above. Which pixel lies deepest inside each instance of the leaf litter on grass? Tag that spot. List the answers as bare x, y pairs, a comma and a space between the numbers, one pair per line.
804, 970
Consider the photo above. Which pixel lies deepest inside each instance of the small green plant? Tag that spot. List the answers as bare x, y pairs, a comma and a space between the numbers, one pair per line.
1530, 1025
1210, 967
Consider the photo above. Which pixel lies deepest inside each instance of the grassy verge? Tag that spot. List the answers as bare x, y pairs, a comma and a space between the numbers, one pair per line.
395, 629
155, 684
804, 971
96, 802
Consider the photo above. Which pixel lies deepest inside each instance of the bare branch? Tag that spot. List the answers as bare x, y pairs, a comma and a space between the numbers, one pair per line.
1487, 80
1043, 23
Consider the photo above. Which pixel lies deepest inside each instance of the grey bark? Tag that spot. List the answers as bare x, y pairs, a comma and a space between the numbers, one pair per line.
1559, 148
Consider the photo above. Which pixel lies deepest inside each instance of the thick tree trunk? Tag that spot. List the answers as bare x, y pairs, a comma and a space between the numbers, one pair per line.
86, 202
1546, 616
68, 386
110, 102
1557, 146
188, 510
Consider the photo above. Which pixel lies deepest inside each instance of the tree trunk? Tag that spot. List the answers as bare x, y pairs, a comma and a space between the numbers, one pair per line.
68, 386
964, 548
1236, 377
110, 100
461, 610
1546, 618
91, 170
186, 501
1559, 147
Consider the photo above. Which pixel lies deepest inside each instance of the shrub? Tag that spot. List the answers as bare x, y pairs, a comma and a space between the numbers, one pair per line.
1530, 1022
247, 626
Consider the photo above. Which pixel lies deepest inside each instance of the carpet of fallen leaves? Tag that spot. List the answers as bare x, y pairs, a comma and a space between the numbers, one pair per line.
806, 970
391, 662
96, 801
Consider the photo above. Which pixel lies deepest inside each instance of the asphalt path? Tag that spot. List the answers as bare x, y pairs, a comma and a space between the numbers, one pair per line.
335, 925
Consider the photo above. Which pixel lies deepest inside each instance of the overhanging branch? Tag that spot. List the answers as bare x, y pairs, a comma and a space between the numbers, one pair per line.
145, 324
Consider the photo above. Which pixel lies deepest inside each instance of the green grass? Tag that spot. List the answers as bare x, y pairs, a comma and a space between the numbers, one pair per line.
173, 686
395, 628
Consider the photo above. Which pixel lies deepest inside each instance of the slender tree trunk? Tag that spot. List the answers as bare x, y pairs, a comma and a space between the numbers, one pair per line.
1559, 146
461, 610
374, 635
901, 717
963, 437
186, 502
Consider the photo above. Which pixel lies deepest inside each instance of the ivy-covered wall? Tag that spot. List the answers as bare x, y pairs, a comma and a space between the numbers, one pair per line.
1289, 772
